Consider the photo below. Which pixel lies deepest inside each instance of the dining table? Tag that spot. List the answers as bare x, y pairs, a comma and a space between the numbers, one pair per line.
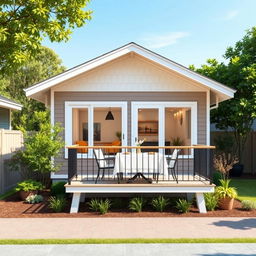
142, 164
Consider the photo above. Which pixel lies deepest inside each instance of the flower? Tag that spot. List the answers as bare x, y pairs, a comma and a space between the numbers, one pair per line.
138, 143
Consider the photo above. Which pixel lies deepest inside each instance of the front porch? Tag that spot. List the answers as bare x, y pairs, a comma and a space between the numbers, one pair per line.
162, 170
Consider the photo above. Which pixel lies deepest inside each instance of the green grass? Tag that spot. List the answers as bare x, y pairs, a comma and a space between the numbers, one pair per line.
127, 241
7, 194
246, 188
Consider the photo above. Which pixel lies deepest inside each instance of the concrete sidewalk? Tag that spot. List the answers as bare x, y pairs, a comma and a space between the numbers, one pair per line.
129, 250
204, 227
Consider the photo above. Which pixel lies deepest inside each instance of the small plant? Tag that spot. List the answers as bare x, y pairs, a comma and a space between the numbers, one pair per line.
94, 205
103, 206
57, 204
248, 205
58, 188
177, 141
136, 204
183, 205
119, 135
29, 185
211, 201
225, 191
160, 203
224, 163
34, 199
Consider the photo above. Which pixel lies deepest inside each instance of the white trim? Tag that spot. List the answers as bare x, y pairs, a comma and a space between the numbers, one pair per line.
52, 106
59, 176
208, 118
132, 47
90, 105
137, 189
10, 105
161, 106
10, 119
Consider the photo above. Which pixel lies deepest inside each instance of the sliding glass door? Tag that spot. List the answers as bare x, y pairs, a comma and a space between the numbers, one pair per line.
164, 124
95, 124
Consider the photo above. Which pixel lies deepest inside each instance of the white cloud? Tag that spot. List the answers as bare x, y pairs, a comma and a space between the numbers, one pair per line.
154, 41
231, 15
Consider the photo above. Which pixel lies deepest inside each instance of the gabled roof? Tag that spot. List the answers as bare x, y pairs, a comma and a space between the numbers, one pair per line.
131, 47
10, 104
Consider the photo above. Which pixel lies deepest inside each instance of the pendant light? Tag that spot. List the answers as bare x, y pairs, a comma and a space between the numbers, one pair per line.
109, 115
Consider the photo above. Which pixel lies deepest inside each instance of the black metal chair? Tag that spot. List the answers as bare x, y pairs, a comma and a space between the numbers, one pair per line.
102, 163
172, 163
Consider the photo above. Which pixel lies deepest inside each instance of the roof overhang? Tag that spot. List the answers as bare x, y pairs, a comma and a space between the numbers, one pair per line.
10, 105
223, 92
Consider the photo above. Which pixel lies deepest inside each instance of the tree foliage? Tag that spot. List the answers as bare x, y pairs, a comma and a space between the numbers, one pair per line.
24, 24
44, 65
39, 148
238, 72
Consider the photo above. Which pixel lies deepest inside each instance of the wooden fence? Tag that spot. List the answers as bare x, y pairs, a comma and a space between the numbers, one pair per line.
249, 155
10, 141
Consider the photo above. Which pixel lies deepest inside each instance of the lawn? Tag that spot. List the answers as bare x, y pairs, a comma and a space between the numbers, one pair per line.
246, 188
127, 241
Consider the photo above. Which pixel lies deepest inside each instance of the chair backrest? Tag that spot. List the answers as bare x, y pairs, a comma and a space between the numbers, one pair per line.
100, 159
174, 158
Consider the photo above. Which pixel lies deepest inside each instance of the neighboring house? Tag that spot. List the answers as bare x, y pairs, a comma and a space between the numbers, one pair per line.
129, 94
6, 106
10, 141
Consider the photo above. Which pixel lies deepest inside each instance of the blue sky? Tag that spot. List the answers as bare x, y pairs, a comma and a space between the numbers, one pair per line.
186, 31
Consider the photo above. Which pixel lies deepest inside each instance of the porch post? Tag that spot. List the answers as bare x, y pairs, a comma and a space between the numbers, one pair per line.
200, 202
75, 203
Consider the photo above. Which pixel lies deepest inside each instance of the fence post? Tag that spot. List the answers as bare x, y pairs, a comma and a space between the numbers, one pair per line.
72, 163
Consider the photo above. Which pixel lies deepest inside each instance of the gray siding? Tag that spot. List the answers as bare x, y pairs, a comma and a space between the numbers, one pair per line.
61, 97
4, 118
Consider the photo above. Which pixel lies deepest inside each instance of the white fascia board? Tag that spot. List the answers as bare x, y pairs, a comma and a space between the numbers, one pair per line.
121, 52
9, 105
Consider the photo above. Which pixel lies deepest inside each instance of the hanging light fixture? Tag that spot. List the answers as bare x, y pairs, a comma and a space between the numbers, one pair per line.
109, 115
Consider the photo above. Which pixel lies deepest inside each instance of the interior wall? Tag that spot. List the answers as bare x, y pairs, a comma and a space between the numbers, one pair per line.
108, 127
174, 128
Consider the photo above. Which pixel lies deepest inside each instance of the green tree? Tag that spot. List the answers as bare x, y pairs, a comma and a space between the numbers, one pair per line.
44, 65
239, 72
39, 149
25, 23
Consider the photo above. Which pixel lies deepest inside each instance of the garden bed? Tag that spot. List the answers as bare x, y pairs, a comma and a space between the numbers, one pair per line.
12, 207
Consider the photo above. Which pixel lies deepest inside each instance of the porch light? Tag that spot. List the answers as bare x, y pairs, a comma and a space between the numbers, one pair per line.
109, 115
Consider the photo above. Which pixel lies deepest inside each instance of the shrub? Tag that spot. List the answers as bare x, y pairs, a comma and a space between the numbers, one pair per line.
136, 204
57, 204
40, 147
160, 203
29, 185
225, 190
248, 205
34, 199
103, 206
183, 205
58, 188
94, 205
211, 201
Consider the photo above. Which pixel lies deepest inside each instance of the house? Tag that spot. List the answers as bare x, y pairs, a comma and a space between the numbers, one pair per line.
6, 106
10, 141
126, 95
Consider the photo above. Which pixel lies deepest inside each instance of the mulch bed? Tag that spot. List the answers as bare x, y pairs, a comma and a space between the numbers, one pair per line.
12, 207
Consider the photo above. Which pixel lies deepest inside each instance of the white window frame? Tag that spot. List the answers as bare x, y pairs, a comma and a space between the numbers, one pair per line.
90, 105
161, 106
